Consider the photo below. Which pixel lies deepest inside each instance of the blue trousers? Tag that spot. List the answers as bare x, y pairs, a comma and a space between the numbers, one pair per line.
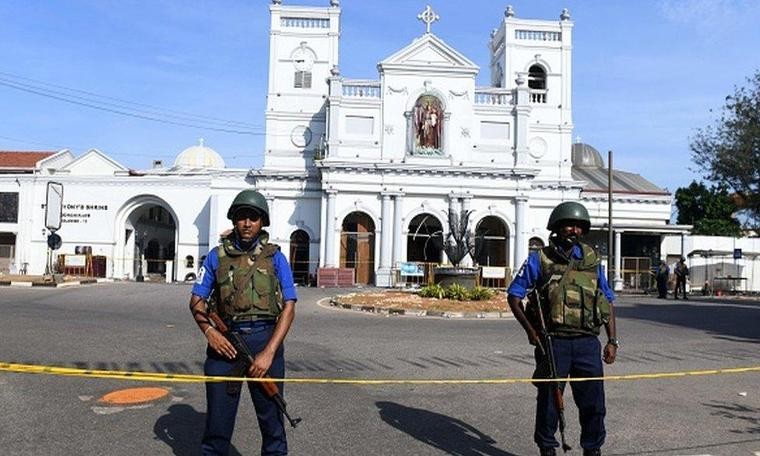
222, 407
575, 357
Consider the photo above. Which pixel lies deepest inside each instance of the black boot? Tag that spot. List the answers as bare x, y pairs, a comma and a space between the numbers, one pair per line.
596, 452
547, 452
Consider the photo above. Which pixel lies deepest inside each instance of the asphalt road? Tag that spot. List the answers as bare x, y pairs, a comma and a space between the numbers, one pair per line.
129, 326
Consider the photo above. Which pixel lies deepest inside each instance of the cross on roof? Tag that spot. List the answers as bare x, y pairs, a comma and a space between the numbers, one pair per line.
428, 17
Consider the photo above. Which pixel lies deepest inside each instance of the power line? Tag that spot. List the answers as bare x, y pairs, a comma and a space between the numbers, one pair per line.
154, 110
128, 114
91, 104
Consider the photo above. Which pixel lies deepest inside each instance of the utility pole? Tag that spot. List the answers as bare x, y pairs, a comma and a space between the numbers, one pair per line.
610, 257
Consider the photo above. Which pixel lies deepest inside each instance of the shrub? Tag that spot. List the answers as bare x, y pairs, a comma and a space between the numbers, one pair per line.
458, 292
432, 291
481, 294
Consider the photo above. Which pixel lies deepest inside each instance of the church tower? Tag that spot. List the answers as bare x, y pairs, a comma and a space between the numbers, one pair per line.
303, 50
537, 55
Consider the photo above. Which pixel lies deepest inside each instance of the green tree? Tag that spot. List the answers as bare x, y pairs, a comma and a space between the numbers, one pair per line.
710, 210
729, 150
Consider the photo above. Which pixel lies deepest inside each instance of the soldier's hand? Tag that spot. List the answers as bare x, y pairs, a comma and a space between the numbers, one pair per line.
220, 344
533, 338
610, 353
261, 364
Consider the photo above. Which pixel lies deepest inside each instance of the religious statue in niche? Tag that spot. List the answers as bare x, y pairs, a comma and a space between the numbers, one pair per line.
428, 126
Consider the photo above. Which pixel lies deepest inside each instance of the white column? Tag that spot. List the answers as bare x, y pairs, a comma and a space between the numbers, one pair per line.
272, 218
330, 257
398, 230
521, 241
521, 113
618, 280
383, 276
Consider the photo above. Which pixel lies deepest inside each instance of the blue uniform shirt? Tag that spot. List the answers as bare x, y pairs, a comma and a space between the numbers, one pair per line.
206, 281
530, 273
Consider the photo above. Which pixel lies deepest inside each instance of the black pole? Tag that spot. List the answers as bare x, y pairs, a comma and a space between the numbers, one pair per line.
139, 277
610, 255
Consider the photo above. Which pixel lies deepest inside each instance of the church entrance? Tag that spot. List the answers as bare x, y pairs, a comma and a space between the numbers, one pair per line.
357, 246
492, 242
425, 239
299, 256
150, 232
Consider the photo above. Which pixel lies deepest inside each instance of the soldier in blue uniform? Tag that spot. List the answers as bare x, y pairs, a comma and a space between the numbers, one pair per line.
576, 300
252, 284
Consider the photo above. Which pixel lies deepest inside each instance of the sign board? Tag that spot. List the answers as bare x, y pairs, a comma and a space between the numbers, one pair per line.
737, 254
76, 260
493, 272
53, 206
411, 269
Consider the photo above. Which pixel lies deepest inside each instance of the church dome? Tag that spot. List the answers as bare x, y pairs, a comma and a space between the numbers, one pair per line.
585, 156
199, 156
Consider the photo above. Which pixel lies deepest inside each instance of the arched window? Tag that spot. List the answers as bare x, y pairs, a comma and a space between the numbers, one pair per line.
491, 242
425, 240
299, 256
537, 77
537, 84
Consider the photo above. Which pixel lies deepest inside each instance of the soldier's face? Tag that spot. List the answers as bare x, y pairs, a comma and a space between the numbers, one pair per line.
247, 223
570, 230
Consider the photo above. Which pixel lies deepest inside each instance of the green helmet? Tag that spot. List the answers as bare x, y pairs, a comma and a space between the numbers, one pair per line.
569, 210
252, 199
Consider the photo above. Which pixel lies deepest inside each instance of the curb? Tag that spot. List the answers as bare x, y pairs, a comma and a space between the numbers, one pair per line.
420, 313
75, 283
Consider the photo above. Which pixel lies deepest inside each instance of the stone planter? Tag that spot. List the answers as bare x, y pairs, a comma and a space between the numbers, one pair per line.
448, 275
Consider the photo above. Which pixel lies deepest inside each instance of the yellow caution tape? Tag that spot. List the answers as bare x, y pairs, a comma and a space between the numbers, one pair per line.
191, 378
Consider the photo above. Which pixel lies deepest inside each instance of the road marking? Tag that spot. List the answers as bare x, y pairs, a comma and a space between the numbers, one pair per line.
133, 396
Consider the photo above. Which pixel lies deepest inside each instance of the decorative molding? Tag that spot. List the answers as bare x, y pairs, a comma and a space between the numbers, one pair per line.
465, 94
403, 90
389, 129
465, 132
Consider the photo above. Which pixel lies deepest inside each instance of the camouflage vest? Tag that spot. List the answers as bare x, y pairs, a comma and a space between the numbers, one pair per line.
246, 283
576, 304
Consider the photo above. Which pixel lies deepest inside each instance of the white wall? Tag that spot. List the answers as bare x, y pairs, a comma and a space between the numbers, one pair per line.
720, 263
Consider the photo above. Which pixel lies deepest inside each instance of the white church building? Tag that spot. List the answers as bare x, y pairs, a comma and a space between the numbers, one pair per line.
361, 174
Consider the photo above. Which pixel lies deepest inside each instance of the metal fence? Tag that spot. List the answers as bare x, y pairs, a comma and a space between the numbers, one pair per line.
637, 274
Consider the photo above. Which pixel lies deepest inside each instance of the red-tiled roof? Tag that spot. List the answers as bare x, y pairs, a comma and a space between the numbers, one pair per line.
21, 159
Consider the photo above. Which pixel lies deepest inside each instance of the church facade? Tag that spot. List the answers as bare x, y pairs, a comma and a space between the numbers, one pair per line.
366, 174
379, 164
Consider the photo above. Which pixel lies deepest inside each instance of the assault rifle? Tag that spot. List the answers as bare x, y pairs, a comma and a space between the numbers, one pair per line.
245, 359
548, 352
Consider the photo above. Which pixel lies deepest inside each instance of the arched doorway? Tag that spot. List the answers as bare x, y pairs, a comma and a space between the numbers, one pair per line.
491, 242
299, 256
424, 243
150, 232
357, 246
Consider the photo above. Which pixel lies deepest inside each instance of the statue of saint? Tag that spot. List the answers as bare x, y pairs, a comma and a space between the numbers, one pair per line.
428, 123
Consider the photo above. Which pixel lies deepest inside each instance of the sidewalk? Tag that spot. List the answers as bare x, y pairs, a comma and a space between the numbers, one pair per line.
16, 280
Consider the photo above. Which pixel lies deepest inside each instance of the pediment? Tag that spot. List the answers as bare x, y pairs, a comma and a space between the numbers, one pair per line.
429, 51
94, 163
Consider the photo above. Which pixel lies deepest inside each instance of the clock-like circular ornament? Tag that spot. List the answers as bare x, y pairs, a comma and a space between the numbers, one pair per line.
300, 136
303, 59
